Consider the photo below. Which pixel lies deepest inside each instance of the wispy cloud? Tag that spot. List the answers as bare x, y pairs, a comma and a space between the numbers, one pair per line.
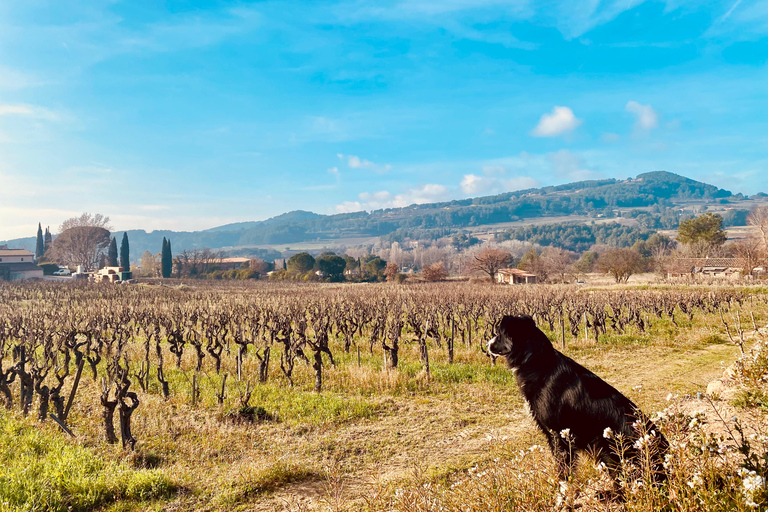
30, 111
429, 193
646, 118
355, 162
474, 185
571, 166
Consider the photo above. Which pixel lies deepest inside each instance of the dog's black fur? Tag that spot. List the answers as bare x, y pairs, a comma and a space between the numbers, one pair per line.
562, 394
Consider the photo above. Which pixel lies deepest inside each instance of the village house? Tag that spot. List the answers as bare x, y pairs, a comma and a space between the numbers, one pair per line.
515, 276
18, 264
706, 268
231, 263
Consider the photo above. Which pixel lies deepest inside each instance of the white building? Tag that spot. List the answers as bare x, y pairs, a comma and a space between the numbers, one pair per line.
18, 264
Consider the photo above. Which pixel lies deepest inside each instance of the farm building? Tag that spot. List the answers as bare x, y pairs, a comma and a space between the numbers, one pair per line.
18, 264
110, 275
515, 276
231, 263
705, 268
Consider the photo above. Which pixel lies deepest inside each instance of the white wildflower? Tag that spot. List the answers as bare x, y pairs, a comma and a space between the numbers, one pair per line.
696, 481
565, 433
607, 433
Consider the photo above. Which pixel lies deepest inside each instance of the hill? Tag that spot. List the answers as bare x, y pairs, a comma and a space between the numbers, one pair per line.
652, 199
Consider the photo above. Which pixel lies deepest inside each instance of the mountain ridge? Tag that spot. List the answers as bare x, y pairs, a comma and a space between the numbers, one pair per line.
592, 198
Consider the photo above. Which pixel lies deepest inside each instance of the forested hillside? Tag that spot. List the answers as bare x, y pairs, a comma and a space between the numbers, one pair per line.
653, 198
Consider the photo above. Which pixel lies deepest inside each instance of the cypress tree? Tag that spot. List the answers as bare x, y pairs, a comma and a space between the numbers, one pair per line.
40, 246
125, 254
112, 253
166, 259
163, 252
48, 238
170, 259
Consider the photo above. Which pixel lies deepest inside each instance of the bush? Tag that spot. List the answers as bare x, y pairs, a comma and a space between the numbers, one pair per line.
48, 268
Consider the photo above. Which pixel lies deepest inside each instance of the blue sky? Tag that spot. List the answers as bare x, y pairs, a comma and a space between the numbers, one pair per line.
188, 115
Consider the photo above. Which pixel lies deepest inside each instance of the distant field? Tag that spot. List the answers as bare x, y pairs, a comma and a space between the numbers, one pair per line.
446, 431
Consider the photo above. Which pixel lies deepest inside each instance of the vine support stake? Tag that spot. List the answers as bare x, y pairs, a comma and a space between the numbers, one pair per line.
61, 424
74, 390
562, 331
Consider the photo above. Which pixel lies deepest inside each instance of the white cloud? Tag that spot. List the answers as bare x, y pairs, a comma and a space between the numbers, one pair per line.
646, 118
32, 111
429, 193
355, 162
571, 166
473, 185
560, 121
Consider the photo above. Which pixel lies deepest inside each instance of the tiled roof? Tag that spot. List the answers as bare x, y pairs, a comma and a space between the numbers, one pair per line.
15, 252
690, 265
516, 272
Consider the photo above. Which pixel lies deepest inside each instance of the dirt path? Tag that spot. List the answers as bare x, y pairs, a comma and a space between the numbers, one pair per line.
443, 434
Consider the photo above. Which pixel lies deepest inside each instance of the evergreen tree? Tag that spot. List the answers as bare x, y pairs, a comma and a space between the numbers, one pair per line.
40, 247
163, 253
48, 238
166, 259
112, 253
125, 254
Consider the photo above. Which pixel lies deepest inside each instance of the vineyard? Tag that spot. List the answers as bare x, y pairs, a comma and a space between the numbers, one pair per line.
342, 397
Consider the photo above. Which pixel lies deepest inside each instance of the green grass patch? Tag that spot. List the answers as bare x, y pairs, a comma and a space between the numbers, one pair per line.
43, 471
296, 406
254, 483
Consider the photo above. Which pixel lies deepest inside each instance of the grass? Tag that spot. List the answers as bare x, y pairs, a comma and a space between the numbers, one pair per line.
374, 439
39, 470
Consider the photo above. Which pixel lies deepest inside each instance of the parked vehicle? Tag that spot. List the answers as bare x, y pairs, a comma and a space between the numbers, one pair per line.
63, 272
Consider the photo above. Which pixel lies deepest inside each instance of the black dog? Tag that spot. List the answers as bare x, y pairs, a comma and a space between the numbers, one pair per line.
576, 409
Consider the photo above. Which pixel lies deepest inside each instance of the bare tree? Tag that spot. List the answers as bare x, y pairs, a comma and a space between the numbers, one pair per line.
758, 218
489, 261
96, 220
81, 245
435, 272
558, 264
749, 251
150, 264
620, 263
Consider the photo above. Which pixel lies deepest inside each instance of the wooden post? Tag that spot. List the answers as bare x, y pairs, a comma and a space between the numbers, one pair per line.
223, 387
74, 389
194, 389
22, 363
562, 330
358, 356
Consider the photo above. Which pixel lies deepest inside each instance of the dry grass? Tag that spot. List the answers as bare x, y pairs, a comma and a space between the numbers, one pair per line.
379, 439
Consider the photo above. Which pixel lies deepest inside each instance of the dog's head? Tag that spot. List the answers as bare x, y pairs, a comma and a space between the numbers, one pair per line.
517, 337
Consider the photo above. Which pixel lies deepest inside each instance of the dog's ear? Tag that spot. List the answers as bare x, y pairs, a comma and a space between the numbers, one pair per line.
528, 322
507, 325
